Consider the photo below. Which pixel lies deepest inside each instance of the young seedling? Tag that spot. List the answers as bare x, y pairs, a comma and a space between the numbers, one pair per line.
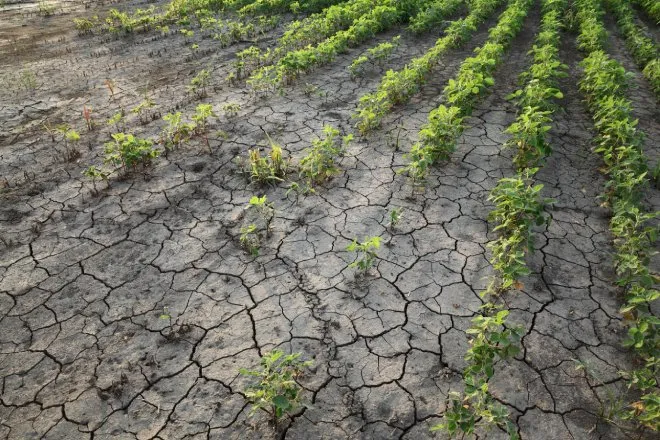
199, 83
320, 163
395, 217
366, 253
143, 110
95, 173
249, 239
176, 132
128, 152
87, 116
276, 392
202, 114
231, 109
264, 209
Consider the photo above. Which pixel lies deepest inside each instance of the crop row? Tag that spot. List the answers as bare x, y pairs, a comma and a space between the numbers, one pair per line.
300, 61
185, 12
518, 208
641, 46
437, 138
296, 53
603, 84
652, 8
398, 87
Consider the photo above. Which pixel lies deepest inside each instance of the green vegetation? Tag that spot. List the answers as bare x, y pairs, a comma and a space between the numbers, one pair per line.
603, 84
398, 87
128, 152
276, 392
437, 139
378, 54
366, 253
642, 47
320, 161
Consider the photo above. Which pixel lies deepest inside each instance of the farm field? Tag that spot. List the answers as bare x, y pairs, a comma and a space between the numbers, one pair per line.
441, 214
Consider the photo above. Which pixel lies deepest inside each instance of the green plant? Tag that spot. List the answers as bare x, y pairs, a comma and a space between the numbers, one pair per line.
518, 207
69, 137
320, 161
264, 209
366, 253
203, 112
395, 217
276, 392
199, 83
95, 173
249, 239
128, 151
45, 8
490, 341
265, 169
143, 110
231, 109
176, 132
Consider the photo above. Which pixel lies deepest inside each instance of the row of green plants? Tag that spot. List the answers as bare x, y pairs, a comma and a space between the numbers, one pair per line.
642, 47
301, 61
604, 83
189, 12
652, 9
397, 87
377, 55
126, 152
304, 33
519, 207
319, 163
437, 139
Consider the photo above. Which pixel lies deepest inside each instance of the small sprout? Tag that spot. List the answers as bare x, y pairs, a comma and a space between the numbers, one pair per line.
249, 239
231, 109
199, 83
95, 173
87, 116
366, 253
395, 217
276, 392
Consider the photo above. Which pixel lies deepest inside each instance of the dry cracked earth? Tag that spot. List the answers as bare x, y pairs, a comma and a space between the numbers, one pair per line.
85, 276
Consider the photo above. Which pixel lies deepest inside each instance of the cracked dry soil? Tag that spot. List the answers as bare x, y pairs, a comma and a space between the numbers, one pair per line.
85, 277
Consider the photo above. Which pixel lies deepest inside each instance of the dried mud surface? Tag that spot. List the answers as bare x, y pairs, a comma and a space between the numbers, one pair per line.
85, 277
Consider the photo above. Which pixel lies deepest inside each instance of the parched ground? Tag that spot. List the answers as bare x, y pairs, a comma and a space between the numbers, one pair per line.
85, 277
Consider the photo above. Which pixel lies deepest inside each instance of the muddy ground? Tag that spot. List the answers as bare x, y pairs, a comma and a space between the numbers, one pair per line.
85, 276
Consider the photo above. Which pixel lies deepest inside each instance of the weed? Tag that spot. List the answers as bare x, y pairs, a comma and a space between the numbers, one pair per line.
203, 112
249, 239
320, 162
128, 151
231, 109
277, 392
265, 169
27, 79
95, 173
143, 110
116, 119
199, 83
46, 9
366, 253
395, 217
110, 85
87, 116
